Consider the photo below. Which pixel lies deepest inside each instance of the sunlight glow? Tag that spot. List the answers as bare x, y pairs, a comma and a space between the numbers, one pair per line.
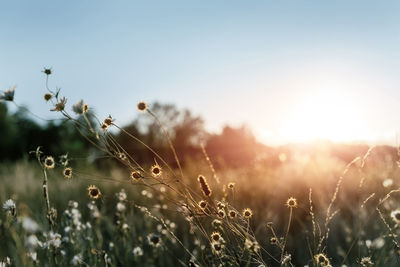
327, 114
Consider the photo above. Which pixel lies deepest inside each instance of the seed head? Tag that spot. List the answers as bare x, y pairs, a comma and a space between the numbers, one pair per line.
47, 71
49, 162
396, 216
291, 203
8, 94
142, 106
204, 186
156, 170
247, 213
366, 262
221, 214
273, 240
202, 204
154, 240
215, 237
94, 192
321, 259
47, 96
232, 214
231, 185
60, 105
67, 172
136, 175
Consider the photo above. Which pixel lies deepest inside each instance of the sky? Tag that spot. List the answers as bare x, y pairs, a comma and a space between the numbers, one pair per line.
292, 71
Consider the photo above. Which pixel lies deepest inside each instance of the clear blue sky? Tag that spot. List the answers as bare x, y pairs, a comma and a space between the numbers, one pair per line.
263, 63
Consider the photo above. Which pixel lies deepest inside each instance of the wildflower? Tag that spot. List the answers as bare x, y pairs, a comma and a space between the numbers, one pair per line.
77, 259
321, 259
9, 207
8, 94
107, 123
121, 195
47, 71
121, 207
94, 192
215, 236
142, 106
247, 213
136, 175
203, 204
221, 214
232, 214
217, 248
122, 156
396, 216
80, 107
47, 96
273, 240
251, 245
231, 185
49, 162
31, 242
53, 240
216, 223
286, 259
154, 240
67, 172
366, 261
29, 225
138, 251
291, 203
156, 170
220, 205
387, 182
204, 186
60, 105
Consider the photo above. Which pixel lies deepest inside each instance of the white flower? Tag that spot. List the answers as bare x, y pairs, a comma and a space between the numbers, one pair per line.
29, 225
9, 207
387, 183
138, 251
121, 207
31, 242
77, 259
121, 195
53, 240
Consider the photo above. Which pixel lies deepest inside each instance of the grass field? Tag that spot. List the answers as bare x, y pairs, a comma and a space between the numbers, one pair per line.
345, 214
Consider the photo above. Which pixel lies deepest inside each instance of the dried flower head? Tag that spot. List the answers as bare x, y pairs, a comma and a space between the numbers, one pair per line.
217, 248
231, 185
60, 105
273, 240
80, 107
321, 259
215, 237
108, 121
251, 245
291, 203
8, 94
154, 240
202, 204
47, 96
136, 175
67, 172
366, 261
395, 216
49, 162
205, 188
156, 170
94, 192
142, 106
247, 213
232, 214
47, 71
216, 223
220, 205
221, 214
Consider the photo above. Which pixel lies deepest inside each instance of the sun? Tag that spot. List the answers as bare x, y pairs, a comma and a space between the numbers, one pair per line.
326, 115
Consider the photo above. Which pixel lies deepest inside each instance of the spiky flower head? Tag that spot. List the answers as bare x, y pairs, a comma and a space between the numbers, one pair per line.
232, 214
154, 240
142, 106
291, 203
67, 172
94, 192
49, 162
215, 236
205, 188
60, 105
202, 204
8, 94
47, 71
47, 96
395, 216
321, 259
273, 240
247, 213
136, 175
156, 170
221, 214
366, 261
217, 248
